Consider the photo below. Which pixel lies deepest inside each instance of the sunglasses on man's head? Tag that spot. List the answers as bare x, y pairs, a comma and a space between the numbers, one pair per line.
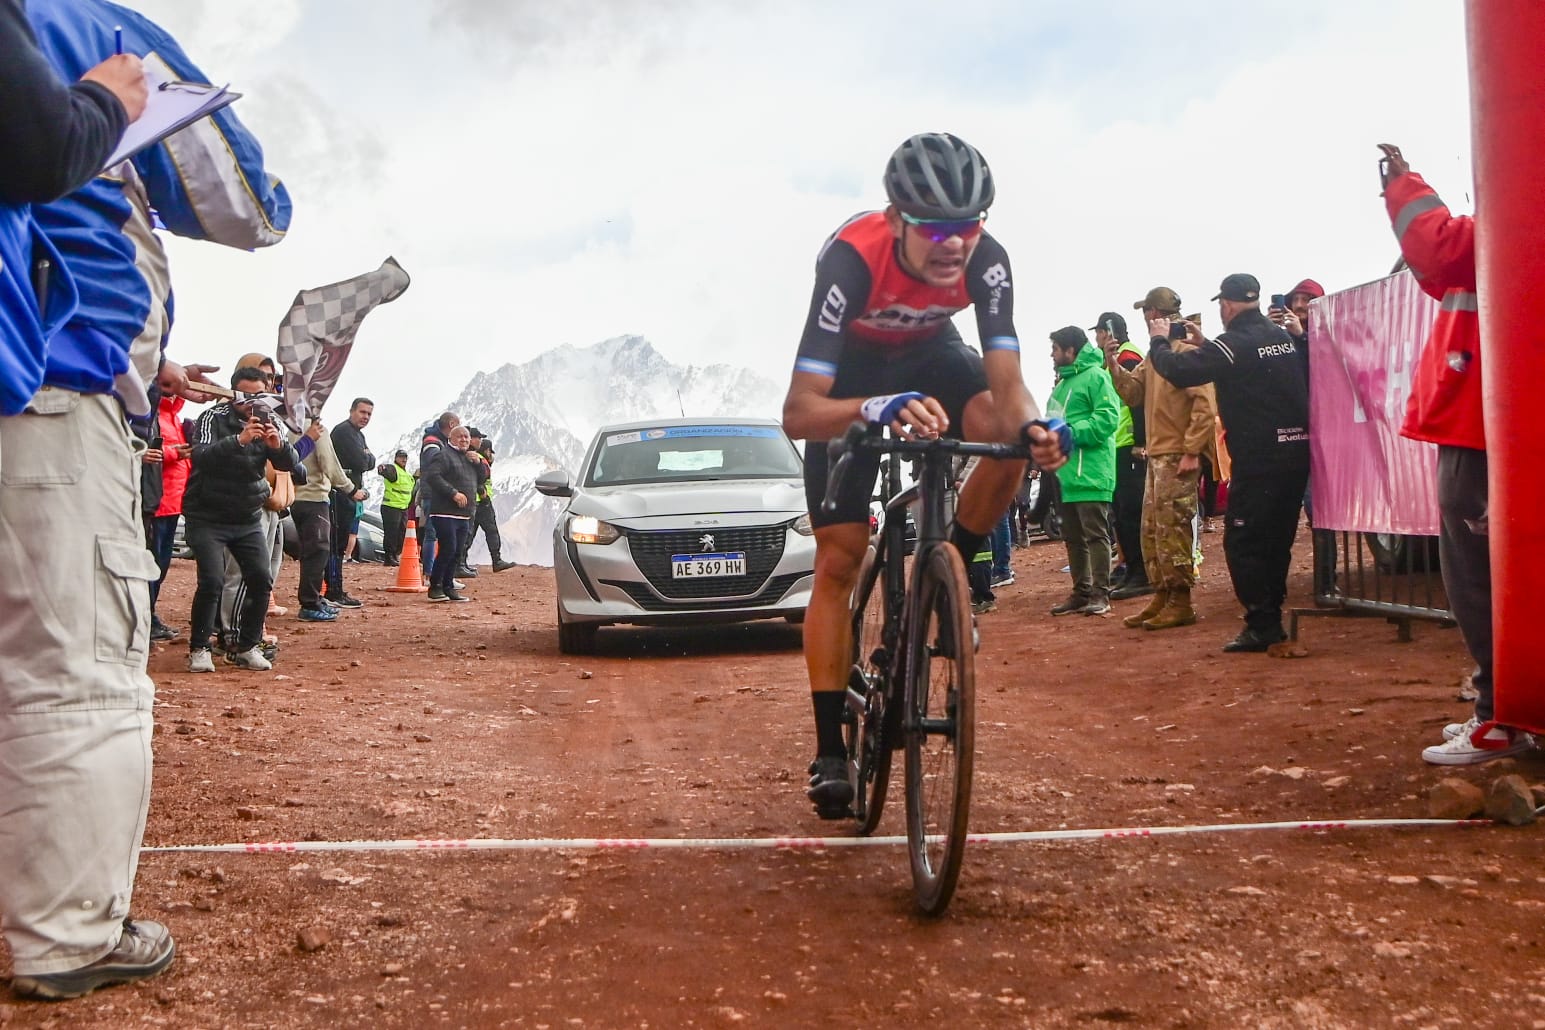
937, 230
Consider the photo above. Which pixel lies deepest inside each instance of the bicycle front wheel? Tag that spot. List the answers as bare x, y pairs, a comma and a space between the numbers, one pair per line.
864, 729
939, 725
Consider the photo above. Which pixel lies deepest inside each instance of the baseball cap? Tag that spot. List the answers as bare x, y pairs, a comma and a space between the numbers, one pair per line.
1110, 321
400, 453
475, 431
1241, 287
1162, 299
1309, 286
1069, 337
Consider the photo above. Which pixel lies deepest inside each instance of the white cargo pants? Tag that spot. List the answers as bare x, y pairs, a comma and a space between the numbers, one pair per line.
75, 702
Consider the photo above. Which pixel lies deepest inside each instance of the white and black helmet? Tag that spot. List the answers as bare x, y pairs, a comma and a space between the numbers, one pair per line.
937, 175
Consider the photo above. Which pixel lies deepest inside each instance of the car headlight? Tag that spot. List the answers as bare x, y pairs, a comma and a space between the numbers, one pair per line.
587, 529
802, 525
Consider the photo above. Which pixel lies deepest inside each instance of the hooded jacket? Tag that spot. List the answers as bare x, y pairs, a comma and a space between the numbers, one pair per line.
1445, 402
1086, 401
175, 468
228, 485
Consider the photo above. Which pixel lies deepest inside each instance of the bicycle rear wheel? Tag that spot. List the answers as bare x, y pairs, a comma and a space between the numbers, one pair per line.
869, 745
939, 725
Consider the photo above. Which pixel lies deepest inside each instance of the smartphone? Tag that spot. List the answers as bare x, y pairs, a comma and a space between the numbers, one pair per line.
156, 443
1178, 331
1279, 300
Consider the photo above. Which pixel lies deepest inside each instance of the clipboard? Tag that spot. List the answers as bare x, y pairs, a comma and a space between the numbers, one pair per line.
170, 107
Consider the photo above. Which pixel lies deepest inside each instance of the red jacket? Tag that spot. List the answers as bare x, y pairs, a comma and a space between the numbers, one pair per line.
1445, 403
174, 467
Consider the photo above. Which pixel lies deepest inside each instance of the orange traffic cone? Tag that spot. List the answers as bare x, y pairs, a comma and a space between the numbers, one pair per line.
408, 581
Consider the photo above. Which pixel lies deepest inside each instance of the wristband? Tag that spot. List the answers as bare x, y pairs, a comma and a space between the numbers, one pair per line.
1055, 426
882, 411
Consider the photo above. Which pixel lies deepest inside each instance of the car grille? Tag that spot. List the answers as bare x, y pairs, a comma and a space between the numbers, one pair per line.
770, 592
763, 547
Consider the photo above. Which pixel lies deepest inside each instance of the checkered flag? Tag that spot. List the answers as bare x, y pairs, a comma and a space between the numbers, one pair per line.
316, 336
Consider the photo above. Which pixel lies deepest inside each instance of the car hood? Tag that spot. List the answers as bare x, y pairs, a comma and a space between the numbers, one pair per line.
737, 501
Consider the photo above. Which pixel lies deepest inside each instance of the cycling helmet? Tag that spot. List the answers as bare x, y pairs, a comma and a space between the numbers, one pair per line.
936, 175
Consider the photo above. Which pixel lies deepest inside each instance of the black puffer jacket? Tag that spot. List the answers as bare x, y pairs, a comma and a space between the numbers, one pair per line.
447, 472
227, 486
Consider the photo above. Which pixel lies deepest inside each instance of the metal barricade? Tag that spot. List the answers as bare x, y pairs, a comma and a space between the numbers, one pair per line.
1371, 574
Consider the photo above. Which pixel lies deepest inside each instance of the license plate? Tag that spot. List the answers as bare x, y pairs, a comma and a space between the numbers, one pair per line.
698, 566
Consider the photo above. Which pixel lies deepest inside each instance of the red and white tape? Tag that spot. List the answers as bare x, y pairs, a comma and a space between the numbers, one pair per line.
782, 843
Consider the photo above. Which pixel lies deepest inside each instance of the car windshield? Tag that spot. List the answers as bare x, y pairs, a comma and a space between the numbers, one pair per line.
684, 454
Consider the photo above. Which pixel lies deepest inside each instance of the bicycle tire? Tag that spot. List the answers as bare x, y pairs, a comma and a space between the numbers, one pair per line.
939, 725
869, 745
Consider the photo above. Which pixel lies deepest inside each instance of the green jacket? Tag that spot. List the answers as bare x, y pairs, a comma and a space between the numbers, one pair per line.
1085, 399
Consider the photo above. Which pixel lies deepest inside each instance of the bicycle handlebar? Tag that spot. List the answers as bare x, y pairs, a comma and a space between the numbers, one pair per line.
861, 436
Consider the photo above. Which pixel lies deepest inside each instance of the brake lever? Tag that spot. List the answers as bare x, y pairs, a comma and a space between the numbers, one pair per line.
839, 452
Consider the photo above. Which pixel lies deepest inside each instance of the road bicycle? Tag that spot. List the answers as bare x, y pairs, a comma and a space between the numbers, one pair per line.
913, 679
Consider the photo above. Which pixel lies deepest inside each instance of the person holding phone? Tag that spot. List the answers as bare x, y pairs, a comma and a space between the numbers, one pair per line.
1179, 428
1263, 397
161, 524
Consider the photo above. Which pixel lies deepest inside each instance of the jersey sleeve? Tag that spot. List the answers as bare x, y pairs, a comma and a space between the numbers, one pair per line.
990, 286
842, 282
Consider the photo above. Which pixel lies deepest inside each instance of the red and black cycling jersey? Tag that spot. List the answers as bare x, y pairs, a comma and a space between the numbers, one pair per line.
863, 293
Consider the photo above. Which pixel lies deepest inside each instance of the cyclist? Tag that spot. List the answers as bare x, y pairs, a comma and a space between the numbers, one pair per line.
879, 345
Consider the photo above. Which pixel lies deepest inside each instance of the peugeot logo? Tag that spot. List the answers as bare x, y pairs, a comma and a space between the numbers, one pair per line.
706, 541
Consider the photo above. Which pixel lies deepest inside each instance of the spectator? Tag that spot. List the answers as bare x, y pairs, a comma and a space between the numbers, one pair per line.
1263, 396
486, 518
1000, 541
395, 498
451, 481
1110, 334
1294, 317
435, 436
312, 514
1179, 427
354, 455
1445, 408
161, 530
233, 592
1085, 400
223, 507
75, 721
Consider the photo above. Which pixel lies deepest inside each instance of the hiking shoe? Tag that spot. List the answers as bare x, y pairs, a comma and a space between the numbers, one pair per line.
160, 630
1099, 606
452, 595
1477, 742
500, 566
457, 584
390, 563
1131, 589
1253, 640
983, 607
347, 601
829, 788
317, 614
1071, 605
144, 949
466, 572
252, 658
201, 659
1003, 579
437, 594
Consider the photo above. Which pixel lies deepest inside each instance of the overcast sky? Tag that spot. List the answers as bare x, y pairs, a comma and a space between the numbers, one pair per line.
556, 173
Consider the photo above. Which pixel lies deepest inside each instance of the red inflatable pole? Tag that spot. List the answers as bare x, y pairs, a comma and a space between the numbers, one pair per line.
1507, 97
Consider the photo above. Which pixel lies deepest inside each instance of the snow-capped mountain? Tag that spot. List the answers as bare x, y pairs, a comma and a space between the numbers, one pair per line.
542, 414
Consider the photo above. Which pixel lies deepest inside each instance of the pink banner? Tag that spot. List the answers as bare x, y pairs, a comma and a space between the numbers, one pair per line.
1363, 345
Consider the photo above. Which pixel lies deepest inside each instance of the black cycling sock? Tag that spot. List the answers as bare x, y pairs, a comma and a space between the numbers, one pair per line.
829, 706
966, 542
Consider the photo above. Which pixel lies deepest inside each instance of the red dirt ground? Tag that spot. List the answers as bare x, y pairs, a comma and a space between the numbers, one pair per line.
407, 720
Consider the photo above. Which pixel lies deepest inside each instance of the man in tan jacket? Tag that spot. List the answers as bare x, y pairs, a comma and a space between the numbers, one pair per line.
1181, 428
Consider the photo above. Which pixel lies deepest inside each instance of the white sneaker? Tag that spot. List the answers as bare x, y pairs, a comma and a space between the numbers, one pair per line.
252, 659
201, 660
1475, 742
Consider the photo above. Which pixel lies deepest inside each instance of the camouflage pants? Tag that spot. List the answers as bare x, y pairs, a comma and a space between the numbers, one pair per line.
1169, 506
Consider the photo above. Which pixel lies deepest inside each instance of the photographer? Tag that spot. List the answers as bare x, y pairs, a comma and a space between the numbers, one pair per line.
223, 507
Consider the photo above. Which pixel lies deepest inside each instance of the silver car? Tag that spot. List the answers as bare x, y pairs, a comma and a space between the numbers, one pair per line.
681, 521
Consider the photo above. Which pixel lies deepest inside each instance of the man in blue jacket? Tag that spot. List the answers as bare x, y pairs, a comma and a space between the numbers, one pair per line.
75, 721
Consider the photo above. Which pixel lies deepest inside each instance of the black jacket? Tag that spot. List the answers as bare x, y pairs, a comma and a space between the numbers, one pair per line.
228, 486
353, 454
448, 472
1263, 390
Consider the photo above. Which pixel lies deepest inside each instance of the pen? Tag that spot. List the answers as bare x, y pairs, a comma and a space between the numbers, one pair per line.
118, 38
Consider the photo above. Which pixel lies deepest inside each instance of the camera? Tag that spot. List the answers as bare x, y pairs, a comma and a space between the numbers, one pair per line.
1178, 331
262, 414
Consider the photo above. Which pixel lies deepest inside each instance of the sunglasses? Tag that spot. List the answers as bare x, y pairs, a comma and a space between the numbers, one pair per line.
937, 230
